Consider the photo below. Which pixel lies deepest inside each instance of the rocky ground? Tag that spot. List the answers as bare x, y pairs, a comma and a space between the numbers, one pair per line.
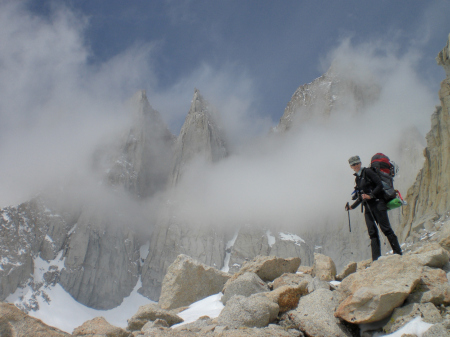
272, 296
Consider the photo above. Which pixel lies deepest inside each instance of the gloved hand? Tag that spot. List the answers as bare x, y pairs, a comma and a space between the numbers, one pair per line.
347, 207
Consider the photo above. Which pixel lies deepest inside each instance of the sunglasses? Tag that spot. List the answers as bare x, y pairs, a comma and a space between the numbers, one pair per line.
354, 164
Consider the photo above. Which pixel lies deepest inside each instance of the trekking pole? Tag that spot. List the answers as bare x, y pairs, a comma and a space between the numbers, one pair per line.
349, 227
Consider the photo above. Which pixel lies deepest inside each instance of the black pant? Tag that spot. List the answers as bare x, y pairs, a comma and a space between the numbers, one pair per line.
378, 209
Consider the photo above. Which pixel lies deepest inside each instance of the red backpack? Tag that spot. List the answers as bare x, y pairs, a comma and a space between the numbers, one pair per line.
381, 164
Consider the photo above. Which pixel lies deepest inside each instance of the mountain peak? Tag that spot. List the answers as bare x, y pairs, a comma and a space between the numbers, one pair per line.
198, 104
201, 135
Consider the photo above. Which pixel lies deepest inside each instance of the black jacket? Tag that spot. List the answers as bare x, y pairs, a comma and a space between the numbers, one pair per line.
368, 183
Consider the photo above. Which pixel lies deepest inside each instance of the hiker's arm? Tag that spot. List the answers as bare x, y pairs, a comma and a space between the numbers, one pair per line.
355, 204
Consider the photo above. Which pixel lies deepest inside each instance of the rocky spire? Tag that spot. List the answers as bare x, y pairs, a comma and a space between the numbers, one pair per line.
200, 136
428, 199
144, 158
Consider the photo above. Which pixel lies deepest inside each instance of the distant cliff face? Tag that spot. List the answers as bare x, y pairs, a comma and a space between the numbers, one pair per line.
330, 92
428, 199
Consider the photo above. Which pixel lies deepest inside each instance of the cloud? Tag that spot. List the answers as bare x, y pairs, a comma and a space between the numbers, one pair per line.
55, 106
303, 180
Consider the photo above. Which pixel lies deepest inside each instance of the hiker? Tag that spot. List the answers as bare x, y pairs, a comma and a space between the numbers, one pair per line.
369, 192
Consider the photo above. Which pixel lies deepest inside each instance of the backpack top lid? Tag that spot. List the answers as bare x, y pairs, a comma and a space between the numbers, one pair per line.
381, 162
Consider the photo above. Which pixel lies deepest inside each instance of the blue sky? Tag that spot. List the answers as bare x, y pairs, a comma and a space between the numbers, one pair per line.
275, 45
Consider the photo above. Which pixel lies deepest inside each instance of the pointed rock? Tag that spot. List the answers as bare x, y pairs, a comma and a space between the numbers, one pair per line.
201, 136
144, 158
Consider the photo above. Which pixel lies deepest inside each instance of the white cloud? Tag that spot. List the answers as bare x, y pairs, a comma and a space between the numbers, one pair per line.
304, 179
54, 105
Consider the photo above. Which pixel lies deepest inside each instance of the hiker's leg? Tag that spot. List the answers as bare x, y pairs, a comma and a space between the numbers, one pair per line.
373, 234
385, 226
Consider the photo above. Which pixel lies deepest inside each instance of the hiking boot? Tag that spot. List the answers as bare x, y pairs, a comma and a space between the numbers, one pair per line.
394, 244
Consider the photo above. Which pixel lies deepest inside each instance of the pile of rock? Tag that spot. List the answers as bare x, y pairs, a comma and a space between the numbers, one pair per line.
270, 297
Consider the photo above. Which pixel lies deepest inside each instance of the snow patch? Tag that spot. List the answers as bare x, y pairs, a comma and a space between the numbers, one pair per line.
415, 327
230, 244
291, 237
210, 306
48, 238
270, 238
143, 251
65, 313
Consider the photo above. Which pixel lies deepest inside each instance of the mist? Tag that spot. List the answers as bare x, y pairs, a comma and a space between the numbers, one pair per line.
302, 180
57, 108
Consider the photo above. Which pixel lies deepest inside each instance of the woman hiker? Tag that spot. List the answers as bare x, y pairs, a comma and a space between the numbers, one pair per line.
369, 192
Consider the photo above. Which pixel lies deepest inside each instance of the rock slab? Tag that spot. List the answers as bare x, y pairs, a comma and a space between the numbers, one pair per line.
188, 281
373, 293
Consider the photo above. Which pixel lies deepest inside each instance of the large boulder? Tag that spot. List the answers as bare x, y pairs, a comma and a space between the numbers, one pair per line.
268, 268
246, 284
324, 267
403, 315
99, 327
150, 313
188, 281
433, 287
14, 322
314, 315
373, 293
254, 311
431, 255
